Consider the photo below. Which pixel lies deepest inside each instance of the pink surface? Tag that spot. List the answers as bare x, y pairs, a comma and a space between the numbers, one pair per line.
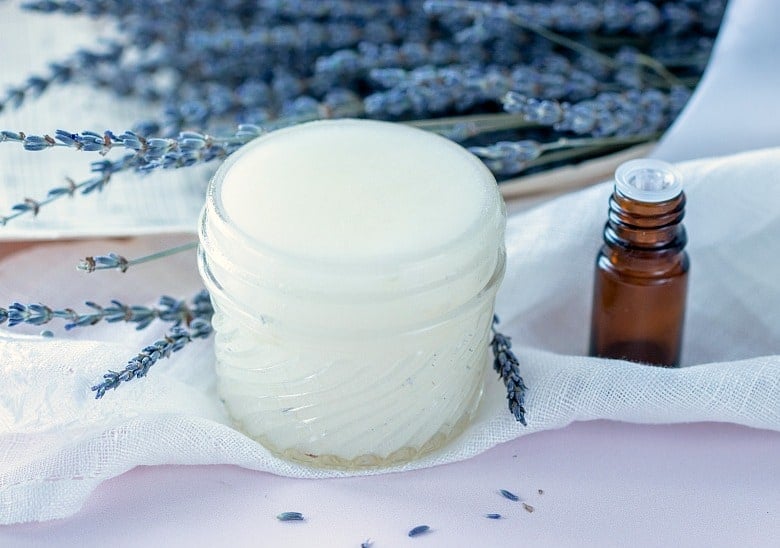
604, 483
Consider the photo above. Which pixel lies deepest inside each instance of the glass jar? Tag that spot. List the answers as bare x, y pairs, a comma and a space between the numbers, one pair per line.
353, 267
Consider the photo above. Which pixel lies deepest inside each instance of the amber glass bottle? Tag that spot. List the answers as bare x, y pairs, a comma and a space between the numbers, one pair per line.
641, 277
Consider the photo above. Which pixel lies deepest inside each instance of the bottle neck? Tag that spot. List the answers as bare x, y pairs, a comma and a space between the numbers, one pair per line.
644, 225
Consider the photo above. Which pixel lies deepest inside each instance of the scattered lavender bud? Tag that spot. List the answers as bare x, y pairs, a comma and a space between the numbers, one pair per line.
419, 530
493, 516
509, 495
290, 516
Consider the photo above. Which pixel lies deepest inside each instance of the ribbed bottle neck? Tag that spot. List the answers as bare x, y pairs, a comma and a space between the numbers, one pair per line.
645, 225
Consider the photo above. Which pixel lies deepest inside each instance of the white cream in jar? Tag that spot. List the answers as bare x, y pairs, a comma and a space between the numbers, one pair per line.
353, 267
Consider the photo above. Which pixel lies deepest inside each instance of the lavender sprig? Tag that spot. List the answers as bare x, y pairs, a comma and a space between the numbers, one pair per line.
147, 150
505, 363
90, 7
189, 147
482, 11
627, 17
621, 114
510, 157
169, 310
306, 35
83, 61
255, 101
138, 366
461, 128
354, 9
430, 89
115, 261
346, 63
156, 153
103, 172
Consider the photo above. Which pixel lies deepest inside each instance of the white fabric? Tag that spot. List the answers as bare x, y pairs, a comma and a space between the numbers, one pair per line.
57, 444
734, 106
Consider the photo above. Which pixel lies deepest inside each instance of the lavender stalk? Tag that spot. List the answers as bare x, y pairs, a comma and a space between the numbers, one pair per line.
510, 157
608, 114
169, 310
506, 364
138, 366
83, 61
114, 261
103, 172
156, 153
483, 10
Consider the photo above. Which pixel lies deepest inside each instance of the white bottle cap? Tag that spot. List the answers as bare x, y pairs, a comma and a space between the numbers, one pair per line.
648, 180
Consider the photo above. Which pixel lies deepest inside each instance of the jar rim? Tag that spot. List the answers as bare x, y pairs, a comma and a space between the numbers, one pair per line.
214, 213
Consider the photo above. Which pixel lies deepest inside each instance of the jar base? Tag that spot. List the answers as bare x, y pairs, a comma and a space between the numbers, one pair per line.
366, 461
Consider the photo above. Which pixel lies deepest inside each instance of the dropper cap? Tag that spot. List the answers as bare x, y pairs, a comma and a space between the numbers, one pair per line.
648, 180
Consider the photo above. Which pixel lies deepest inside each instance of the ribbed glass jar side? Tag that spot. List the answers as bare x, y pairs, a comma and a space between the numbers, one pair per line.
353, 401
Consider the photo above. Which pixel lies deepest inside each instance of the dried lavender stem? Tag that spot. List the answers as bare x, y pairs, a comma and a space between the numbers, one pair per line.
505, 363
169, 310
570, 146
30, 205
138, 366
660, 69
566, 143
114, 261
561, 40
570, 177
474, 124
509, 157
97, 182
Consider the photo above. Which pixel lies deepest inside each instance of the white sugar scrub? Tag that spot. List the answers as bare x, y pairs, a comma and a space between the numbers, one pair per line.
353, 267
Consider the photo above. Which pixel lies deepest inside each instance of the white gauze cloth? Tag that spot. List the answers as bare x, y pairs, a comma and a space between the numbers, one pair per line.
57, 443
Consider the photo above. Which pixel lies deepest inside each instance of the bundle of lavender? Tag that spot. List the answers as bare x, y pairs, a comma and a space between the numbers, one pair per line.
524, 85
